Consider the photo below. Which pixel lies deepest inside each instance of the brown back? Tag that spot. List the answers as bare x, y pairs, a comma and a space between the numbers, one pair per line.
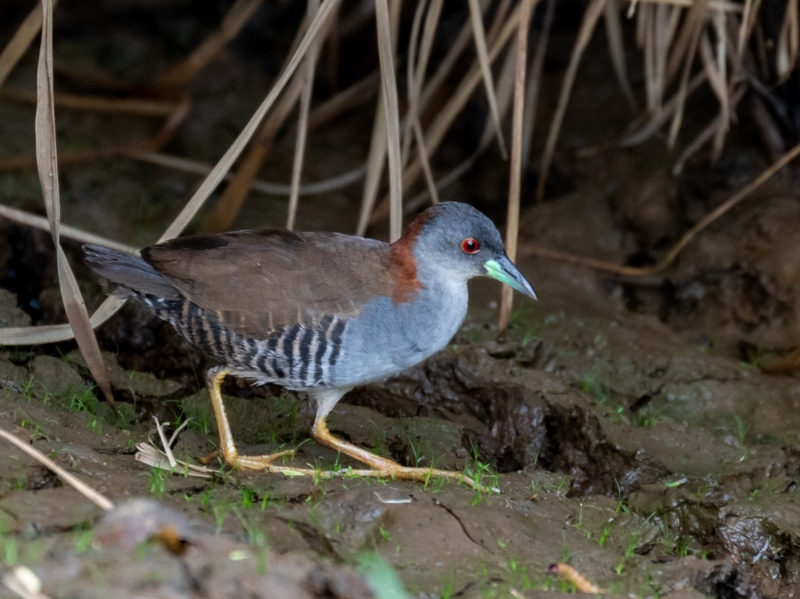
258, 282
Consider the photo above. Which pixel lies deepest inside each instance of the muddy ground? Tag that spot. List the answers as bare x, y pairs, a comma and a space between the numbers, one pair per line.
626, 422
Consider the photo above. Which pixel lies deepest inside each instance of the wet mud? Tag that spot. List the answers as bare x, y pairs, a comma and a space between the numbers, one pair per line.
649, 463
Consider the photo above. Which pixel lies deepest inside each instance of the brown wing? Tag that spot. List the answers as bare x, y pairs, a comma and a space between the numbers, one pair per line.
263, 281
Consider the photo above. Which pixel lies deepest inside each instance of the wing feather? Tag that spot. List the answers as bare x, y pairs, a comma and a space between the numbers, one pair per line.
263, 281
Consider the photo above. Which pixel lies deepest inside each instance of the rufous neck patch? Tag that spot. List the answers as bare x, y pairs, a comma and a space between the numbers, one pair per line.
404, 265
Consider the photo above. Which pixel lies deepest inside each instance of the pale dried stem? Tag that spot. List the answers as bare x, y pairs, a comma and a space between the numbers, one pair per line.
709, 131
718, 20
20, 42
47, 162
377, 148
788, 47
444, 119
616, 46
196, 167
69, 478
448, 62
165, 444
656, 121
515, 183
231, 25
695, 19
386, 49
714, 4
302, 126
412, 83
479, 35
497, 22
431, 21
355, 95
95, 103
534, 81
375, 160
683, 92
39, 222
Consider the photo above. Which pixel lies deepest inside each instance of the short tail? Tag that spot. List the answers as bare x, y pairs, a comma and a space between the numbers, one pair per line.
131, 274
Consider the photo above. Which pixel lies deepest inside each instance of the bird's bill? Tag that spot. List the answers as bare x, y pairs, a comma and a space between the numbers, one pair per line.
504, 271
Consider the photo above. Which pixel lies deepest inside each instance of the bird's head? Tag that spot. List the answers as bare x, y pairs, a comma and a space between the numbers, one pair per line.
465, 243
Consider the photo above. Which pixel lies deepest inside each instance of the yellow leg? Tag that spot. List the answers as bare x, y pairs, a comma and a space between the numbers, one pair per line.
382, 467
226, 445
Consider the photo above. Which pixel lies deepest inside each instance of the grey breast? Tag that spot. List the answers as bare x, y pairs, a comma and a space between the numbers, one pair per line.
387, 338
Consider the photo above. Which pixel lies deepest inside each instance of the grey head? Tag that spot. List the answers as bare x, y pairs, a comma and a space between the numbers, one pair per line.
458, 240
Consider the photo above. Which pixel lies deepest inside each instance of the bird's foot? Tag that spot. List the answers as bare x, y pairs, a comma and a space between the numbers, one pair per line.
258, 462
395, 471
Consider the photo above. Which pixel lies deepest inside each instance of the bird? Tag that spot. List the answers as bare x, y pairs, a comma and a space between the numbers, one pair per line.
318, 313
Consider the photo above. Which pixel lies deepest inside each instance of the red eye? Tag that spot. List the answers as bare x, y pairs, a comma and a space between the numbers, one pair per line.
470, 245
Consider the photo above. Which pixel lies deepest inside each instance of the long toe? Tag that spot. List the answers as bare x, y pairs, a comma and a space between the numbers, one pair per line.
424, 475
260, 462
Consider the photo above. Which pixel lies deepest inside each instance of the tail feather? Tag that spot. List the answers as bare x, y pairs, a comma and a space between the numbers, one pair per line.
131, 273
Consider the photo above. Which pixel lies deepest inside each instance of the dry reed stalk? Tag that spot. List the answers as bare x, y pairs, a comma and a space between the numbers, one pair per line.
444, 119
656, 121
476, 17
161, 138
201, 168
497, 21
770, 132
416, 77
515, 183
411, 79
749, 17
683, 91
334, 51
709, 131
718, 20
236, 18
669, 258
302, 125
47, 159
534, 79
446, 66
616, 47
788, 48
355, 95
386, 50
727, 6
505, 91
378, 142
136, 106
590, 17
39, 222
377, 151
695, 19
20, 42
420, 66
69, 478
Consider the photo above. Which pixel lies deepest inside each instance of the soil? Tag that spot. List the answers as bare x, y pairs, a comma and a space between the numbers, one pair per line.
626, 422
